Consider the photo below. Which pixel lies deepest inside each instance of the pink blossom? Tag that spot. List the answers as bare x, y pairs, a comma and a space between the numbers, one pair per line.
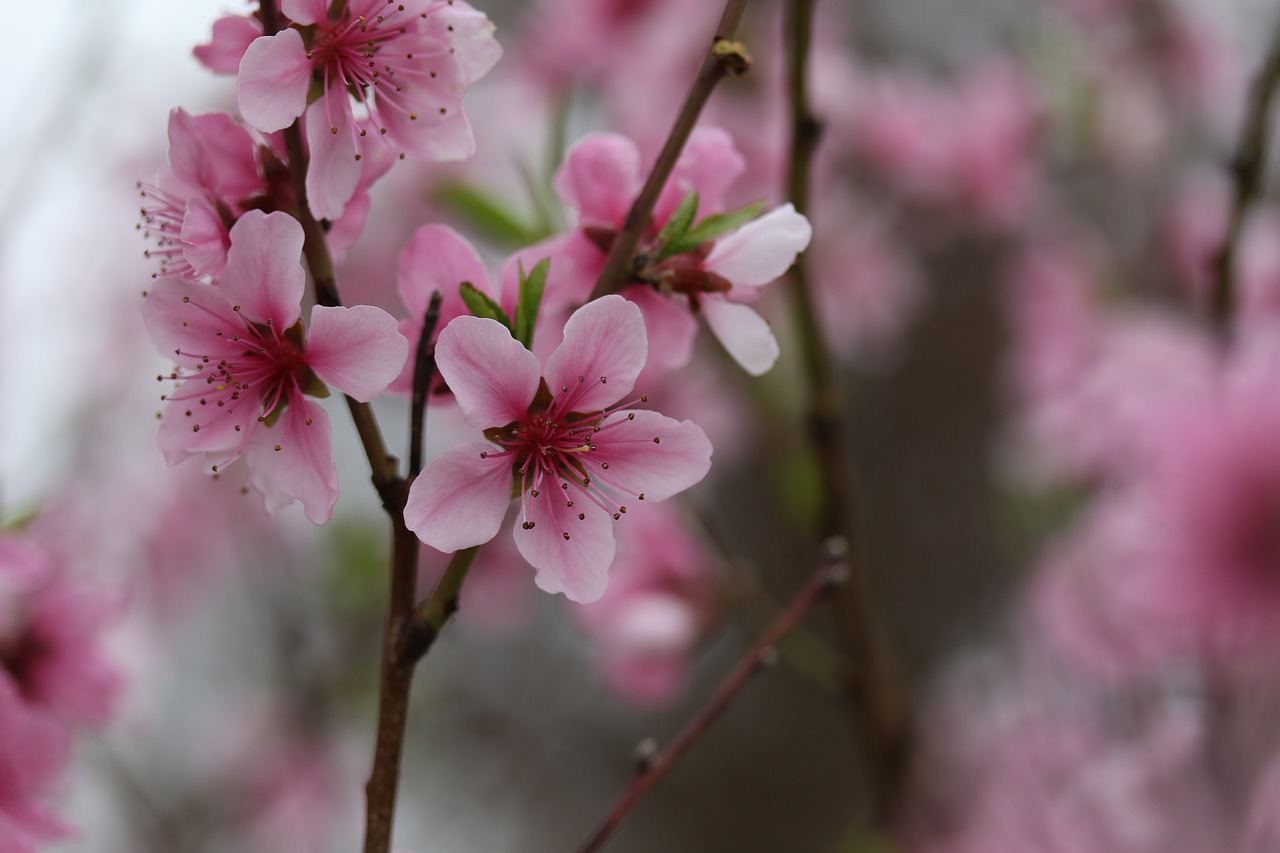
406, 65
231, 37
660, 600
246, 366
212, 178
435, 258
601, 177
33, 750
556, 441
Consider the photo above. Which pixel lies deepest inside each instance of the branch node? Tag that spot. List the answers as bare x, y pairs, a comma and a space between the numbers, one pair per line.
645, 755
732, 56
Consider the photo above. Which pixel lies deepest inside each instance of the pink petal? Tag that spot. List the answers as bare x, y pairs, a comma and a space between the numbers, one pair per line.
709, 164
303, 466
264, 268
577, 566
305, 12
275, 77
206, 238
333, 172
232, 35
357, 350
669, 325
762, 250
439, 258
658, 470
215, 153
217, 434
603, 340
600, 177
491, 375
743, 333
473, 49
460, 498
433, 136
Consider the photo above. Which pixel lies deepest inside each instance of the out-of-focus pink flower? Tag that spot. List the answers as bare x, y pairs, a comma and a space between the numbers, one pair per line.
246, 365
231, 37
967, 149
601, 177
406, 65
49, 636
658, 605
33, 750
562, 443
435, 258
1180, 560
1032, 765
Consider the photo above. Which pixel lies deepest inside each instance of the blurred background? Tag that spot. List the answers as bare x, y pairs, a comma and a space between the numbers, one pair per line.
1001, 186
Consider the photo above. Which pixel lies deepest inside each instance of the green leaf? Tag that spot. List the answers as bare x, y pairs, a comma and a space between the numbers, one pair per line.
485, 214
481, 304
680, 220
712, 227
529, 300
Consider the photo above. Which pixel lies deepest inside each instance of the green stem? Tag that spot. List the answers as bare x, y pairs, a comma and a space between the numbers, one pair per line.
878, 689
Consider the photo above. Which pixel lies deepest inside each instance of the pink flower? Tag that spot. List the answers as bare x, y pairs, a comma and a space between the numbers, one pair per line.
212, 177
601, 177
556, 442
435, 258
33, 750
408, 65
659, 603
246, 366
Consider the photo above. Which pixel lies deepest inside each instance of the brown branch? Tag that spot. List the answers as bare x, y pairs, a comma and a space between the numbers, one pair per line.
1248, 171
424, 370
878, 690
830, 573
724, 57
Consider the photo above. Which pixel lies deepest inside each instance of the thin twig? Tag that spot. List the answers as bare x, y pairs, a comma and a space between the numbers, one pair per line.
1248, 170
830, 573
424, 370
878, 690
724, 57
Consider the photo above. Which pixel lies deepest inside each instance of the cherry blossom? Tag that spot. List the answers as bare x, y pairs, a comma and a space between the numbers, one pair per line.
600, 178
246, 366
407, 65
557, 439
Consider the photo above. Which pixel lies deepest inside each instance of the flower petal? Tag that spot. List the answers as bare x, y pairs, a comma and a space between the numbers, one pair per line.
264, 273
303, 466
743, 333
357, 350
602, 353
205, 237
333, 172
600, 177
473, 49
493, 377
669, 325
232, 35
763, 249
275, 76
305, 12
577, 566
658, 469
709, 164
439, 258
460, 498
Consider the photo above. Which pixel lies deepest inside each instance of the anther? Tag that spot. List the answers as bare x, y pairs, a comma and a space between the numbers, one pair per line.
528, 525
604, 465
644, 398
657, 440
566, 536
642, 496
631, 416
582, 516
277, 448
533, 493
617, 515
603, 380
484, 454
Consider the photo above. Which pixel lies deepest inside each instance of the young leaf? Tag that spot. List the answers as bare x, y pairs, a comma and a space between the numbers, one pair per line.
481, 304
680, 220
712, 227
489, 216
529, 300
